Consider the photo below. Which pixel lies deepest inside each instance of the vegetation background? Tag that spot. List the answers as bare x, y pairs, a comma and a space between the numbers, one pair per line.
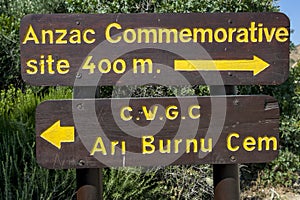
22, 178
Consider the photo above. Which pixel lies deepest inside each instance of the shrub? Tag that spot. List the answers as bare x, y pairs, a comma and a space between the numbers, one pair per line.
21, 177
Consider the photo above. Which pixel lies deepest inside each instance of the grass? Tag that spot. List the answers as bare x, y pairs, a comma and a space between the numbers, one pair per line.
21, 177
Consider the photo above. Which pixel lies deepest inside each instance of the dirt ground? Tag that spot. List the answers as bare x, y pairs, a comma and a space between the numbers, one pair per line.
271, 194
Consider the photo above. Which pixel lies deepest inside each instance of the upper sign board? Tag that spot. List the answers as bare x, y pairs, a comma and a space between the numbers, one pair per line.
169, 49
88, 133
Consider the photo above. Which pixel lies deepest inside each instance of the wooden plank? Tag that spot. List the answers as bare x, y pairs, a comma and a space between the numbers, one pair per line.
116, 132
223, 48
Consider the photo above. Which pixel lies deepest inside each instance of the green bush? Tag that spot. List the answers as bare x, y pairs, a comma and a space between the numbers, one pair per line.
283, 171
9, 52
191, 182
21, 177
132, 183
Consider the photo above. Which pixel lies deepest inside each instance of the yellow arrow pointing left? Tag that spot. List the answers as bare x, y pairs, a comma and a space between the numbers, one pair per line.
56, 134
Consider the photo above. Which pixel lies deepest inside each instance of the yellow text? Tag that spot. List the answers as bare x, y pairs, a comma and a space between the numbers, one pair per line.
250, 143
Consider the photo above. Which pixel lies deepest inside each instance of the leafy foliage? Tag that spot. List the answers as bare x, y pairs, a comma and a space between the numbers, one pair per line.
164, 6
189, 182
8, 56
20, 175
132, 183
283, 171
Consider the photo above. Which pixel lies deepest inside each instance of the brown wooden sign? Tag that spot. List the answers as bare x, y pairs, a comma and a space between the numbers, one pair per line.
169, 49
156, 131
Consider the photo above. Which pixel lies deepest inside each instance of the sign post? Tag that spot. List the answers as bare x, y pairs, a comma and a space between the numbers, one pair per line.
226, 176
88, 180
221, 50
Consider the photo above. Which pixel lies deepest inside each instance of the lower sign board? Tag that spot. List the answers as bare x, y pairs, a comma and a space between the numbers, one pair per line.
92, 133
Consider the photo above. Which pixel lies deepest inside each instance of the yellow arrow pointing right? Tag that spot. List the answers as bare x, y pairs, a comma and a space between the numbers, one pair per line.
56, 134
256, 65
